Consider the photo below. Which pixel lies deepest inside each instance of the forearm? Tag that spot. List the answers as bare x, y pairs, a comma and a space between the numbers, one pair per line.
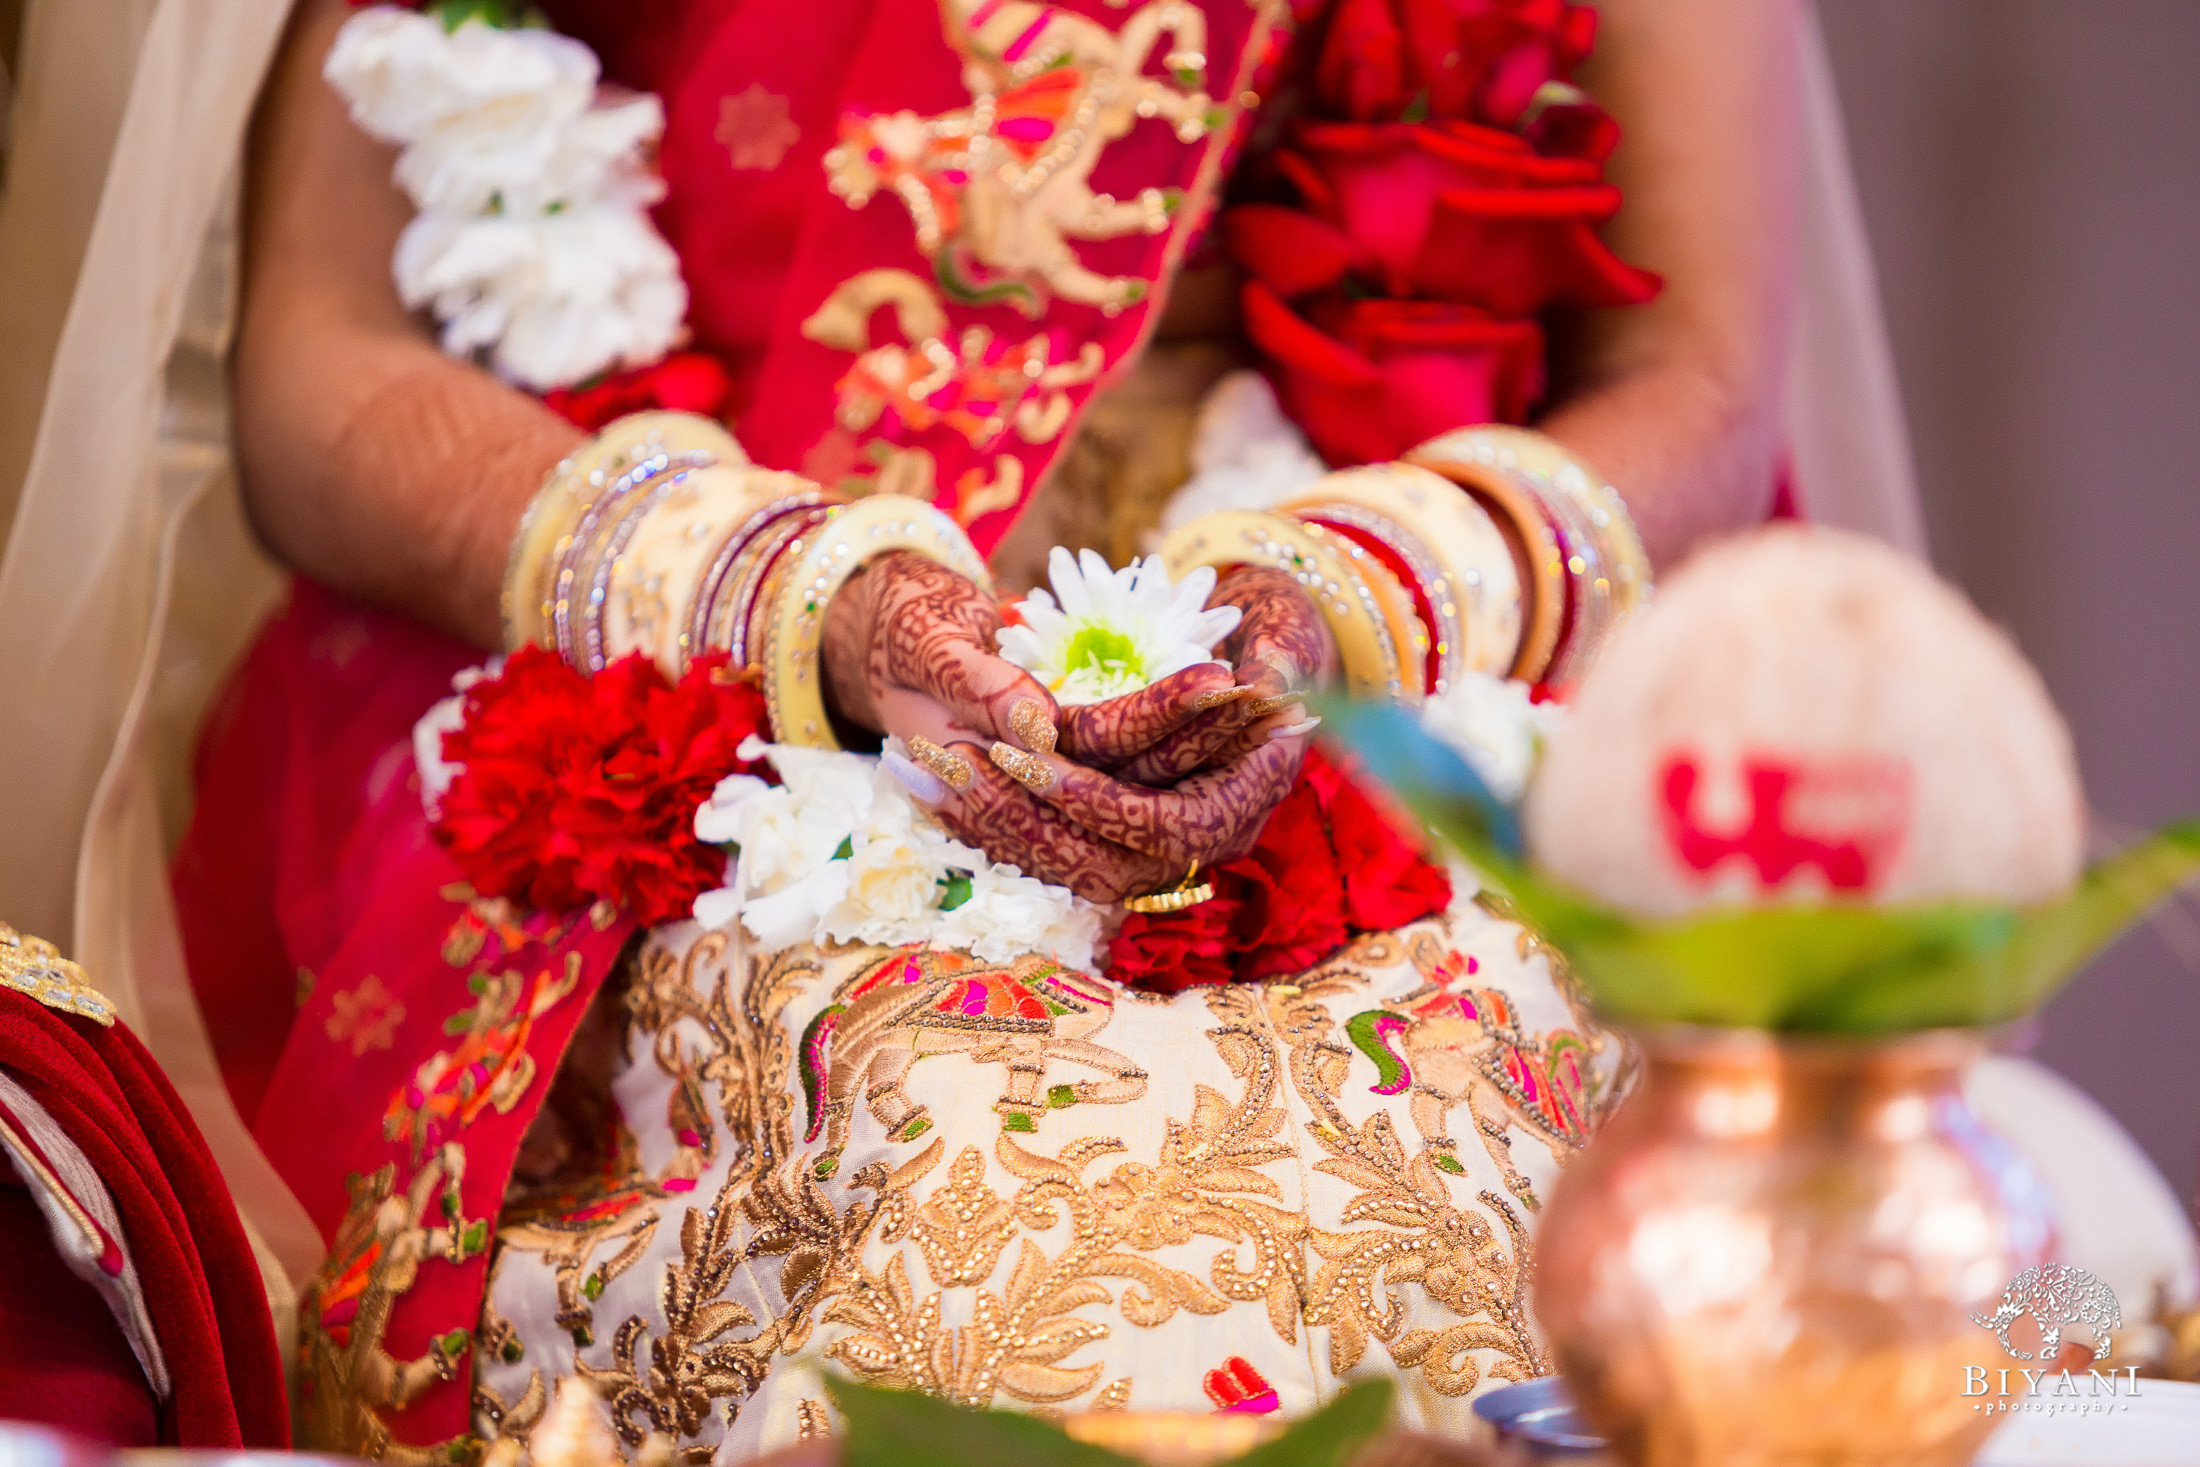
386, 471
1678, 402
369, 460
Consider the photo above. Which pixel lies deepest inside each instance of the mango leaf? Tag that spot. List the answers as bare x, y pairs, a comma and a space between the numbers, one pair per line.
888, 1428
1830, 969
908, 1429
1331, 1436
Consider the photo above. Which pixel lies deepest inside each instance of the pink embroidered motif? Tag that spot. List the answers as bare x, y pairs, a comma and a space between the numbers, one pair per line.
1847, 817
756, 128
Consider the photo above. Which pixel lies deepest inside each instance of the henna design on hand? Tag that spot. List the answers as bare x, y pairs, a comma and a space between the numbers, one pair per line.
907, 624
1011, 824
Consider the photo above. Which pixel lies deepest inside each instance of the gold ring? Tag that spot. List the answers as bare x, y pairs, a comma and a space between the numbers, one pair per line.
1175, 899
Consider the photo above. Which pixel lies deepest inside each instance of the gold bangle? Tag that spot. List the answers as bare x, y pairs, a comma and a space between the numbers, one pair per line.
1546, 461
851, 537
1576, 526
1175, 899
730, 580
1451, 545
568, 492
1452, 455
1333, 571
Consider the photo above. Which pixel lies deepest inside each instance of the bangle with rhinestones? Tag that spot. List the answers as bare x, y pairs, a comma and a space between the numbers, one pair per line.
803, 584
1443, 546
1586, 564
571, 496
1380, 638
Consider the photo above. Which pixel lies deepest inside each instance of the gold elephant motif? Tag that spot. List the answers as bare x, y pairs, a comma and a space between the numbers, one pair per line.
917, 1002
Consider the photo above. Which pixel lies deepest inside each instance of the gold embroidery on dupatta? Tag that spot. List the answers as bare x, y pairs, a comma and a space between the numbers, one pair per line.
997, 189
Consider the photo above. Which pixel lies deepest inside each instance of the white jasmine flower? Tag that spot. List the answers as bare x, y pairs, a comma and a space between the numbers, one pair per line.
1246, 454
1010, 914
1495, 726
1104, 633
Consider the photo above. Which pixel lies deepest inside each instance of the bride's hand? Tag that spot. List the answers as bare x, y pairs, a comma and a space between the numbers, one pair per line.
910, 649
1101, 838
1280, 649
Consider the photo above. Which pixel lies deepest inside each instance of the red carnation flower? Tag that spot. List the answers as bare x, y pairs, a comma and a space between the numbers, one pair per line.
685, 382
574, 789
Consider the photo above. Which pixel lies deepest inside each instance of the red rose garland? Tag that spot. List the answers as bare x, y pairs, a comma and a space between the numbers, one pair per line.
579, 789
1329, 866
1445, 184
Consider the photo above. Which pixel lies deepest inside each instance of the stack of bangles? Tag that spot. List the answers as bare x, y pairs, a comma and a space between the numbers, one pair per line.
1522, 575
659, 537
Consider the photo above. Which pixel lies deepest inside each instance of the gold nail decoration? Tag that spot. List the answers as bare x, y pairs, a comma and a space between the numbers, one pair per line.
1028, 770
1218, 698
954, 771
1262, 707
1029, 722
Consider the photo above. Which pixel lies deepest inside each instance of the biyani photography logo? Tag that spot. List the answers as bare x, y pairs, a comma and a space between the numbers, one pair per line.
2056, 1301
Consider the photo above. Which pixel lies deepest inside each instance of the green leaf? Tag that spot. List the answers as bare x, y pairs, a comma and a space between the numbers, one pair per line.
1330, 1437
1843, 969
906, 1429
954, 890
845, 849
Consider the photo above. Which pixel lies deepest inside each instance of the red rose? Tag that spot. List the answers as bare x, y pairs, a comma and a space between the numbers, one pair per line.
1173, 951
574, 789
1470, 215
685, 382
1328, 866
1385, 60
1387, 375
1292, 915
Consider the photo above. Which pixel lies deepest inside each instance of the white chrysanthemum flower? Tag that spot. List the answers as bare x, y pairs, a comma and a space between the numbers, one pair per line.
1494, 725
1104, 633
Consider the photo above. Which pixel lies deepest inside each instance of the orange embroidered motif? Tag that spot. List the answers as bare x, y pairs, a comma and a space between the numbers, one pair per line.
918, 1002
998, 189
367, 1017
980, 386
490, 1066
756, 128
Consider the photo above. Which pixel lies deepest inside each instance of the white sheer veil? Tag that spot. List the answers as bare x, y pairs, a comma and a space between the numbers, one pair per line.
129, 581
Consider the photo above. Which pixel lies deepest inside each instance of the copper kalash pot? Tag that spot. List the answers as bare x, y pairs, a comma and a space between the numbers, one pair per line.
1772, 1252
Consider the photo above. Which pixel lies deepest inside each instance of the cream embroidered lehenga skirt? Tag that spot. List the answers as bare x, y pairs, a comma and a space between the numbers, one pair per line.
1025, 1187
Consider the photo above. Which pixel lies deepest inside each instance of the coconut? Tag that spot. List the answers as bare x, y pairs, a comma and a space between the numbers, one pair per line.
1803, 714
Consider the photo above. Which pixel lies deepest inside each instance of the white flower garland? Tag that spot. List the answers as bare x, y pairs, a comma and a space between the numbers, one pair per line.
533, 243
838, 852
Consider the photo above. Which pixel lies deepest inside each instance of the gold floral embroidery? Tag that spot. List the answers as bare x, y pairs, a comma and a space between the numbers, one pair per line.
978, 385
1455, 1255
998, 189
376, 1255
367, 1016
